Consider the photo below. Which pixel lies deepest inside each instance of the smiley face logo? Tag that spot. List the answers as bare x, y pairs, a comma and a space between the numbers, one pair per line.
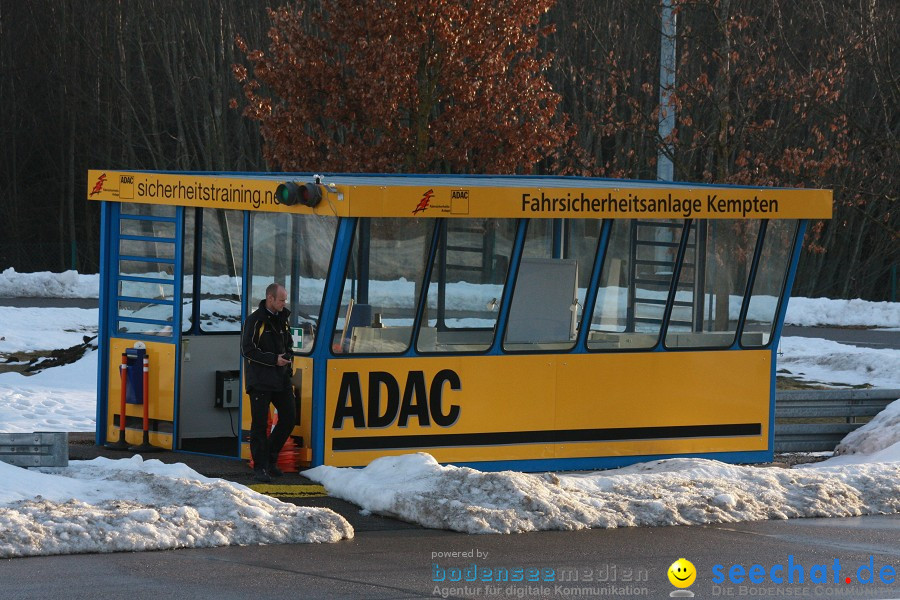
682, 573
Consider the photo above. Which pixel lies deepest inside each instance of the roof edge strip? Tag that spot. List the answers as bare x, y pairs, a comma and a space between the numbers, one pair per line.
470, 196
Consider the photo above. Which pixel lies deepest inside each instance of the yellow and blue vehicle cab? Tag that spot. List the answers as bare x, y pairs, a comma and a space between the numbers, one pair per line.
520, 322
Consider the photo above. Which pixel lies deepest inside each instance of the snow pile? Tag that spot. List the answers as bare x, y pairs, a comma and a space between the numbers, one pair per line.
131, 505
812, 359
69, 284
683, 491
813, 312
880, 434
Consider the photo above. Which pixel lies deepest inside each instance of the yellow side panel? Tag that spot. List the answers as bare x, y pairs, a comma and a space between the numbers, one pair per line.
663, 389
305, 427
245, 420
161, 388
547, 406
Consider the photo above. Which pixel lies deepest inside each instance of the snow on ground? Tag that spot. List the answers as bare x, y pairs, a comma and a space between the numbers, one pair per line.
28, 329
132, 505
681, 491
56, 399
835, 364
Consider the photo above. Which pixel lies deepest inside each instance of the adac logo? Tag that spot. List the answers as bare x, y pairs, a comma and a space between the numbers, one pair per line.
423, 203
682, 574
98, 187
419, 400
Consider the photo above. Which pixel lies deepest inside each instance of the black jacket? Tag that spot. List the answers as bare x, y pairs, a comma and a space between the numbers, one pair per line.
264, 338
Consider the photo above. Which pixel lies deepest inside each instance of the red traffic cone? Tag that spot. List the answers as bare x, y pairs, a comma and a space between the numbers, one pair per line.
287, 457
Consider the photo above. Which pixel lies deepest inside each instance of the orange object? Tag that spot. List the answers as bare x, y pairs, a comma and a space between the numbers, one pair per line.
146, 446
290, 452
287, 460
121, 444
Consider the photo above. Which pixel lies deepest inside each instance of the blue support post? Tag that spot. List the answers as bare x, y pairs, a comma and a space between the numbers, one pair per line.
331, 303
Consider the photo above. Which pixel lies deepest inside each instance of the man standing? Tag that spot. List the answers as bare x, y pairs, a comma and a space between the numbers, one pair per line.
266, 347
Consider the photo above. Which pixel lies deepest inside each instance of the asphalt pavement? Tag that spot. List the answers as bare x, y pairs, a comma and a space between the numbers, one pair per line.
404, 562
867, 338
50, 302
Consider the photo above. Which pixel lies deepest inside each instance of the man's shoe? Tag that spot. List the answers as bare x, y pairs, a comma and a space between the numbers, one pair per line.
261, 475
275, 471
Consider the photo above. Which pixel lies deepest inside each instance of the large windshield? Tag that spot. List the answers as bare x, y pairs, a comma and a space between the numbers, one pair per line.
382, 285
295, 251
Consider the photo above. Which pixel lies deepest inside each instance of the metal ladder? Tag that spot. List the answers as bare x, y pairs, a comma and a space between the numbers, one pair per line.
455, 254
653, 248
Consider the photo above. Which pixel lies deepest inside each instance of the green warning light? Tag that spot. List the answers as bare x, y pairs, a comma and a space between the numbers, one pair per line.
290, 193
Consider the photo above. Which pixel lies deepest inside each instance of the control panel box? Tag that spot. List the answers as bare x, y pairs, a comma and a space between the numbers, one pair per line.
228, 389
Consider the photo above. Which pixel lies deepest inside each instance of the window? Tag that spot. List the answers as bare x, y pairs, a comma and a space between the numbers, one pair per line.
150, 318
550, 285
148, 210
466, 284
634, 283
293, 250
187, 270
768, 285
221, 261
382, 285
712, 283
146, 281
143, 227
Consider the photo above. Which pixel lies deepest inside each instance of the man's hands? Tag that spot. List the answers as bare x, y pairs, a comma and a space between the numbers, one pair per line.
282, 361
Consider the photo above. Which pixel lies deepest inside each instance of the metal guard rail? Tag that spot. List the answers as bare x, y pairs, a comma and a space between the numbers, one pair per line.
817, 420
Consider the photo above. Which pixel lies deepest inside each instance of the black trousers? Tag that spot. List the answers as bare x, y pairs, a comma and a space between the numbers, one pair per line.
264, 447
